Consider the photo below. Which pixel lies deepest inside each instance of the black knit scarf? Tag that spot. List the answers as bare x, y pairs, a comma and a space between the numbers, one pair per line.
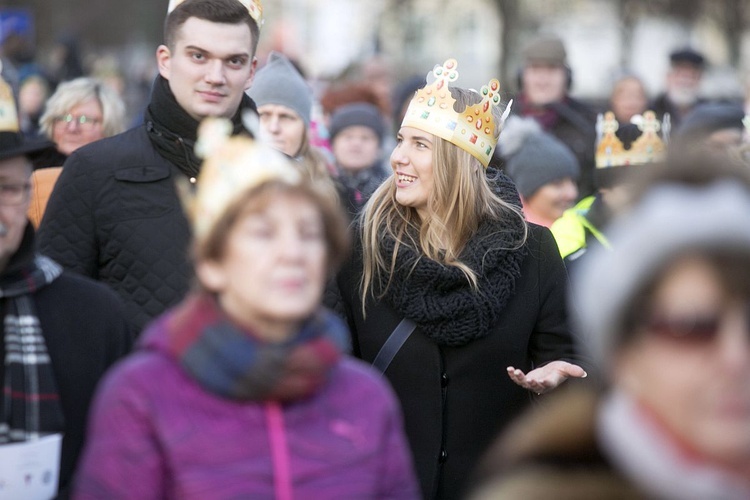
439, 298
30, 401
173, 131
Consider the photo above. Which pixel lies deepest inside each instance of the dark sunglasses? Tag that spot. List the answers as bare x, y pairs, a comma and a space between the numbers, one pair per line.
698, 328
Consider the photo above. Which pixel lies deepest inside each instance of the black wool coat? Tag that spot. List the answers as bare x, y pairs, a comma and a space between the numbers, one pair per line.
115, 216
86, 330
457, 399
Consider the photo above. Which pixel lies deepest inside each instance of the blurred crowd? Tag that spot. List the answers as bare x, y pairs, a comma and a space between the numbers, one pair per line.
224, 279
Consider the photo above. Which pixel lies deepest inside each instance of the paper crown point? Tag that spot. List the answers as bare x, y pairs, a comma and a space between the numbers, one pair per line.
648, 148
254, 7
473, 129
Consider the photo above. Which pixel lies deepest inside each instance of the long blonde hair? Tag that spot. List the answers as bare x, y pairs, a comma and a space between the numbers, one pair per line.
461, 199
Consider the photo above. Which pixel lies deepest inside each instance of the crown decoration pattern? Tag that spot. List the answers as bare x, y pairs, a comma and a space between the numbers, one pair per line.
473, 129
254, 7
647, 148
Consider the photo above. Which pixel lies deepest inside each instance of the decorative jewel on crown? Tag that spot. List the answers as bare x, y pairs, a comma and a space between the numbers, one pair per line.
254, 7
473, 129
647, 148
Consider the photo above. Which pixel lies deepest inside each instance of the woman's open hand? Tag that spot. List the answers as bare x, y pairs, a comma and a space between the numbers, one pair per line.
547, 377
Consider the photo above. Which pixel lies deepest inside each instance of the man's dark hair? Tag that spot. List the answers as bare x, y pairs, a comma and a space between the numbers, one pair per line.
215, 11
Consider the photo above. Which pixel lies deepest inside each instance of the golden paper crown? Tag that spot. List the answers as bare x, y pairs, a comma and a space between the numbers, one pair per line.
647, 148
254, 7
472, 130
232, 166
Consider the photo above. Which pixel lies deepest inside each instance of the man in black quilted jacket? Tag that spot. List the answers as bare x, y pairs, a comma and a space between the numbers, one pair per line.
115, 214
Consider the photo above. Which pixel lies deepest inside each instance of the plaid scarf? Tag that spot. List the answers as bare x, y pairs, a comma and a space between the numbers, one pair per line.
30, 403
236, 364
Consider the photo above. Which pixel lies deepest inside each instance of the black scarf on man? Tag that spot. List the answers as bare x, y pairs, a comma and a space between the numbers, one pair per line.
439, 298
30, 401
173, 131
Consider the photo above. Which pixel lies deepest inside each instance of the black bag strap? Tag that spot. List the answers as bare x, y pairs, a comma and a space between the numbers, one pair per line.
392, 345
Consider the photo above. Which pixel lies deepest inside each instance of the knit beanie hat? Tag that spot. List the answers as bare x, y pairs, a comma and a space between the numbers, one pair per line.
671, 219
279, 82
359, 113
547, 49
707, 118
534, 157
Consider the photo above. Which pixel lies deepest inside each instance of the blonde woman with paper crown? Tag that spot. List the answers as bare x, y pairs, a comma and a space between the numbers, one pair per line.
255, 397
451, 293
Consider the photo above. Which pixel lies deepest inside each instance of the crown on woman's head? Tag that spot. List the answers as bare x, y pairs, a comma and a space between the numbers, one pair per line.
472, 129
254, 7
646, 149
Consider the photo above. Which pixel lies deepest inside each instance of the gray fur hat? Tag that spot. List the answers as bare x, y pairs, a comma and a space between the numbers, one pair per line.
533, 157
279, 82
669, 221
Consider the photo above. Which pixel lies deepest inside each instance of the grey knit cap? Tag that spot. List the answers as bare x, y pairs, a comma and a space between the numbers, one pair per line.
669, 221
707, 118
547, 49
534, 157
279, 82
358, 113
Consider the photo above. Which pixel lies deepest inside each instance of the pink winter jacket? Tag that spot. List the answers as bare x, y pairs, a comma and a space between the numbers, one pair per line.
155, 433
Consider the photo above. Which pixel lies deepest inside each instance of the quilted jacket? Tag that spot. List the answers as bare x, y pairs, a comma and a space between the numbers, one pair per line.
115, 216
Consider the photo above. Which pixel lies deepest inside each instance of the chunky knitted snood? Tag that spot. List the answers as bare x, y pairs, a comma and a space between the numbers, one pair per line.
439, 298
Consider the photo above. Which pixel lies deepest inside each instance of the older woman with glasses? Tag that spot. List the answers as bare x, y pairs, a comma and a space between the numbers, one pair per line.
666, 312
80, 112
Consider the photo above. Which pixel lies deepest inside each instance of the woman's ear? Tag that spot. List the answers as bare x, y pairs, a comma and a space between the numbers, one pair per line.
211, 275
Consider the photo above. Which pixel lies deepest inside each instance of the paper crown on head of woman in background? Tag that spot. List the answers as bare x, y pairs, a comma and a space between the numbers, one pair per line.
628, 148
253, 6
473, 129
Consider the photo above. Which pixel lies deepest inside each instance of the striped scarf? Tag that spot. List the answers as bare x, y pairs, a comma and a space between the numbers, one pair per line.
235, 363
30, 402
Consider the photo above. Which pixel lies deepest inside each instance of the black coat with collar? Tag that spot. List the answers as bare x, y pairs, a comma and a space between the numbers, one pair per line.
86, 330
115, 216
457, 399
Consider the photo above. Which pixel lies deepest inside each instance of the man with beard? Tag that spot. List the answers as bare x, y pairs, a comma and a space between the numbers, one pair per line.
682, 85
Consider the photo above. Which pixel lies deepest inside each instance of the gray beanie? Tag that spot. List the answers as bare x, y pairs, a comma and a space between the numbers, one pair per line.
670, 220
547, 49
707, 118
533, 157
358, 113
279, 82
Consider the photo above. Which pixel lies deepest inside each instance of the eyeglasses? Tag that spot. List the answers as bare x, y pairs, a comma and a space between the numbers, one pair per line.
83, 121
700, 329
14, 194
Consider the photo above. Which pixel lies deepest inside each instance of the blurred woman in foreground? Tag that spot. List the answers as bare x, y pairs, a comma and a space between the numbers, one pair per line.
255, 396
